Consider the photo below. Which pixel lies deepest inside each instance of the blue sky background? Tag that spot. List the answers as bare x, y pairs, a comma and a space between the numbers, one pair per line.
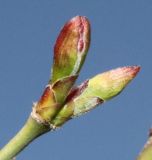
121, 35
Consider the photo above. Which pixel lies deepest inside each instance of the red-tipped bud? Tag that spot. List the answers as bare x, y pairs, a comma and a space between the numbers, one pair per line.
95, 91
111, 83
71, 47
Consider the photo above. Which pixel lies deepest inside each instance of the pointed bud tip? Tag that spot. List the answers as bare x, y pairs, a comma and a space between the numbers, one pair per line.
134, 69
131, 71
80, 19
127, 72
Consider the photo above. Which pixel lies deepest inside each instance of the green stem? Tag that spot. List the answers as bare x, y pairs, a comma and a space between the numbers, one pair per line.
27, 134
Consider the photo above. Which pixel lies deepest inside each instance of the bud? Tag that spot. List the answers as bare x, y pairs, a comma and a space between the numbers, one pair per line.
69, 53
111, 83
71, 47
95, 91
146, 153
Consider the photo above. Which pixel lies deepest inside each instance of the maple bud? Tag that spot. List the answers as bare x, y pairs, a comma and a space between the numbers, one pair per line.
111, 83
146, 153
95, 91
69, 54
71, 48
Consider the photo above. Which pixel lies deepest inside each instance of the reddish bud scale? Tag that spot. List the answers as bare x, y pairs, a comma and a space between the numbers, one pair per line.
47, 105
47, 98
75, 92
